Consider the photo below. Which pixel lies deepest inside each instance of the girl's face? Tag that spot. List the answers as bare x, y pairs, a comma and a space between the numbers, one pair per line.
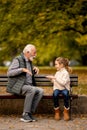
58, 66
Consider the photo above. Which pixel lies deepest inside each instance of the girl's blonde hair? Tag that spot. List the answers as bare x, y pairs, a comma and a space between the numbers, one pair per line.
65, 62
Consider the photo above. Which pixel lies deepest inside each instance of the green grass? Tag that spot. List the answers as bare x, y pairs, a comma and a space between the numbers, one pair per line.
80, 68
3, 70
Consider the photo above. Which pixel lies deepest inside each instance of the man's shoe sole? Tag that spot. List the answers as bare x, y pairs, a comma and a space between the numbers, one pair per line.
25, 120
34, 120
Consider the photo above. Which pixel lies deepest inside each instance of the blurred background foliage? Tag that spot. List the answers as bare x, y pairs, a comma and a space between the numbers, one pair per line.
55, 27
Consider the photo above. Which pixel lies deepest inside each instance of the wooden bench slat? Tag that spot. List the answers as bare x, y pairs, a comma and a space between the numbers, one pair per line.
12, 96
41, 80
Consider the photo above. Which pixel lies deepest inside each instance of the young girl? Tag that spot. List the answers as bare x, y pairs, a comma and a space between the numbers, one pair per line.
61, 82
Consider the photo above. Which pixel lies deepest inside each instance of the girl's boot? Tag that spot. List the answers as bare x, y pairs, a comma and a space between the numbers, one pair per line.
66, 114
57, 113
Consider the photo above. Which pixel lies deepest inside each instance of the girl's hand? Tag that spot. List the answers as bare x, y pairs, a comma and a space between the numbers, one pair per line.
51, 77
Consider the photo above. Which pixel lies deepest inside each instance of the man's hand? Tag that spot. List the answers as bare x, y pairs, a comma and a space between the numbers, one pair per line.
27, 71
36, 70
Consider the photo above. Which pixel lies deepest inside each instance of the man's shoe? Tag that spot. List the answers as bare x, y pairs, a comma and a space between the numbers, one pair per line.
26, 118
33, 118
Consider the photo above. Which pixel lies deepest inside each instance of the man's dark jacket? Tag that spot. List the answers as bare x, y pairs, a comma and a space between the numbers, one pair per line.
15, 83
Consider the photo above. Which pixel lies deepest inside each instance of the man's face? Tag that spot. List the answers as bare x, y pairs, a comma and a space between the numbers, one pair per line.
32, 54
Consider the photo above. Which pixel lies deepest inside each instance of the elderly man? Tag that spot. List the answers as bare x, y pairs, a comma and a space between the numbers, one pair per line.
21, 81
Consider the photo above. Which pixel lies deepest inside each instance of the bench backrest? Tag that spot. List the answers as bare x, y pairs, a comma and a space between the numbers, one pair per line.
41, 80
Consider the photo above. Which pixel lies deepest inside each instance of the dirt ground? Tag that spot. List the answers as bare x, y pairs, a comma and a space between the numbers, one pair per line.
45, 122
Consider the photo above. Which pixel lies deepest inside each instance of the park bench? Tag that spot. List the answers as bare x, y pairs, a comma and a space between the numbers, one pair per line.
41, 81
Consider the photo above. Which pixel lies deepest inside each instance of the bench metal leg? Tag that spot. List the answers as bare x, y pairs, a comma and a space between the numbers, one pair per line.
70, 102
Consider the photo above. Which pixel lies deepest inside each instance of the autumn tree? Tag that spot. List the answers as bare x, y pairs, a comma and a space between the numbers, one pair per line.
56, 27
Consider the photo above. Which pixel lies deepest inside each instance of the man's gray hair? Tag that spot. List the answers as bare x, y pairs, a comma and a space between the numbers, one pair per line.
28, 48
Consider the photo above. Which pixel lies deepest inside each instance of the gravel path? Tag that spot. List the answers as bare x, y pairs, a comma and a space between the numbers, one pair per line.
45, 122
